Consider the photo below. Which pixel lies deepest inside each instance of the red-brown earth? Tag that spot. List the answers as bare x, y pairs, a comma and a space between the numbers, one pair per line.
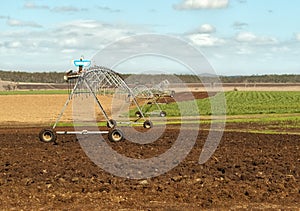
247, 171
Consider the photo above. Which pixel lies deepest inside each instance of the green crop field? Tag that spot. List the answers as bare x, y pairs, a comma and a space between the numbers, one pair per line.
262, 111
262, 102
237, 103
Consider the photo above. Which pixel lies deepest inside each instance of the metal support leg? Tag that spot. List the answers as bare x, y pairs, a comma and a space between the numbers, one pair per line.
66, 104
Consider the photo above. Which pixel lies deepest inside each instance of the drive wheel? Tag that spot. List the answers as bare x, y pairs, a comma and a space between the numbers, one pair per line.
138, 114
115, 135
172, 94
47, 135
162, 114
148, 124
111, 123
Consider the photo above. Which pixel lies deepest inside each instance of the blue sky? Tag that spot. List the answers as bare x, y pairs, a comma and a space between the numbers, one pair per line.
238, 37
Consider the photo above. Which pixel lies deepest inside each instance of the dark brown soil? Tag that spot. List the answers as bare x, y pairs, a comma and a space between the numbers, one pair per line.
184, 96
247, 171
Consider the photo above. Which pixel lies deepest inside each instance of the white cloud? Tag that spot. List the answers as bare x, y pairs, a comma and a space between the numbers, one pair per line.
69, 42
207, 28
203, 29
203, 36
68, 51
241, 50
248, 37
32, 5
83, 24
60, 43
205, 40
19, 23
65, 9
60, 9
13, 44
278, 49
72, 37
68, 9
201, 4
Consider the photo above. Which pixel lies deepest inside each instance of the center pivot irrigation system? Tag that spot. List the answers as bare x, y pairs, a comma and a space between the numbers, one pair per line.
94, 81
152, 97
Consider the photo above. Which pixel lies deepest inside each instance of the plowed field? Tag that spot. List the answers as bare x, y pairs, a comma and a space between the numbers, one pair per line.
247, 171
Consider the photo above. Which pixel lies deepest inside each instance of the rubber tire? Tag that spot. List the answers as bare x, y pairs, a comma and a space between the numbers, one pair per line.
47, 136
138, 114
112, 122
162, 114
148, 124
172, 94
115, 135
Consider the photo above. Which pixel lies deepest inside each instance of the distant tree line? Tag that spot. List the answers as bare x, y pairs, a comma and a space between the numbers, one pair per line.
57, 77
262, 79
35, 77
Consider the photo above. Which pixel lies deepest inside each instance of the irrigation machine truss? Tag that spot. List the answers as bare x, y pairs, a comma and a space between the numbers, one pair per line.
152, 97
93, 81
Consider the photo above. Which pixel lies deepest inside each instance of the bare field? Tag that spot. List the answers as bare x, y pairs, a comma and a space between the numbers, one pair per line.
36, 109
248, 170
44, 109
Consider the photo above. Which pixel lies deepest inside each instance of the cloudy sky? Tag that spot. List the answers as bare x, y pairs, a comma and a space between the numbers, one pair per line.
238, 37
